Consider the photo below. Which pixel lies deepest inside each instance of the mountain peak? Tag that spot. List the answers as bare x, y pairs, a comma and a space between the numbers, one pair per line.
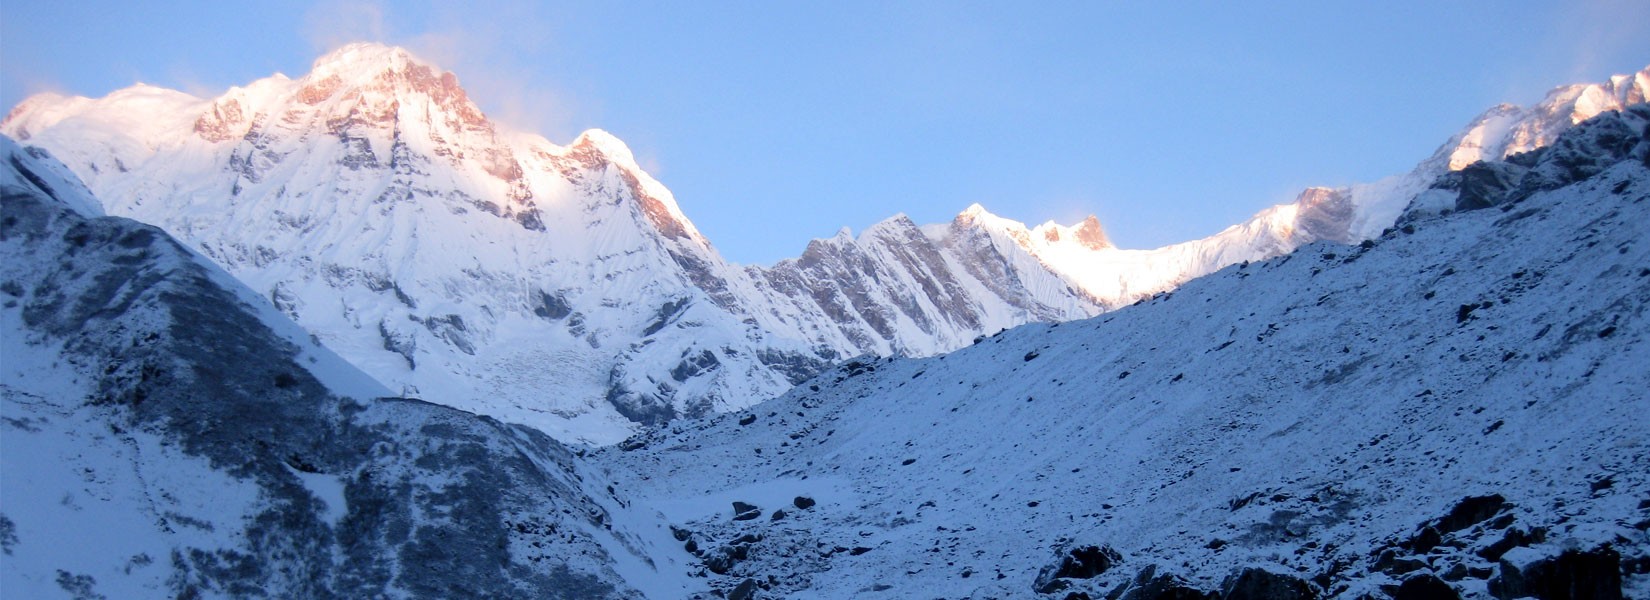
391, 76
1091, 234
607, 144
365, 57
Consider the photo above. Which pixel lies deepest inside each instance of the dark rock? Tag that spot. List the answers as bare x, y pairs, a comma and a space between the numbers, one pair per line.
720, 561
1573, 575
694, 366
1425, 587
745, 512
1636, 566
1513, 538
803, 502
777, 514
1424, 541
1260, 584
747, 419
1401, 566
746, 590
1486, 184
1085, 562
858, 550
1470, 511
544, 305
1161, 587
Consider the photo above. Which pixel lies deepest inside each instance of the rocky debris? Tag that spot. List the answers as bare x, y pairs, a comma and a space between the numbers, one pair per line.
1255, 583
1082, 562
745, 512
1151, 585
746, 590
1574, 574
803, 502
1425, 587
1470, 511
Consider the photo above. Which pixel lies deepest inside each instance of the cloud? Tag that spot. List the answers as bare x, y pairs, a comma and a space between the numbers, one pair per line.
497, 49
330, 24
1594, 31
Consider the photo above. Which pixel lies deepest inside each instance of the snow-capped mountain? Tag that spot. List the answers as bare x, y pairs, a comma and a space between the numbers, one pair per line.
1450, 410
1454, 409
562, 286
558, 286
167, 434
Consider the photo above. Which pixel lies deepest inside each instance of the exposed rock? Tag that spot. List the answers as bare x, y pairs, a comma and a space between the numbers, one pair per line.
1425, 587
1574, 574
745, 512
746, 590
1260, 584
1149, 585
1470, 511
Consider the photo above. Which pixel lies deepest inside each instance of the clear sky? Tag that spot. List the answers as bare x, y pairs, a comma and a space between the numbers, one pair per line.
777, 122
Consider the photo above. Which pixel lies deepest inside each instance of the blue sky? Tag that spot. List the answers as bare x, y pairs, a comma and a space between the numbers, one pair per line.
777, 122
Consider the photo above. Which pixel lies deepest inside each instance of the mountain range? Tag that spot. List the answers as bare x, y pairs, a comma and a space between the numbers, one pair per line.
563, 288
1451, 409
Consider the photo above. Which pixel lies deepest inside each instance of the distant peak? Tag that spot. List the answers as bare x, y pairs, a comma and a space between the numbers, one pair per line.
365, 56
388, 73
607, 144
974, 210
1091, 234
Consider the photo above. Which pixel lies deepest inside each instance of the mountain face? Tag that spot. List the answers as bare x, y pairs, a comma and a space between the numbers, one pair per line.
1451, 410
562, 287
166, 434
558, 286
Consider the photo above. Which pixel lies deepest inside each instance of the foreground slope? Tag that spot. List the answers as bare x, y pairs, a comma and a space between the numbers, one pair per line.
1455, 408
563, 287
166, 433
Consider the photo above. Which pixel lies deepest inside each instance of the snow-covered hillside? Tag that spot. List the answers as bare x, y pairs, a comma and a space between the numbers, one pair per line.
165, 434
563, 287
1456, 408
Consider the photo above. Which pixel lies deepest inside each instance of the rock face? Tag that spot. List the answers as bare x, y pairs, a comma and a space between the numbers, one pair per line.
561, 286
1326, 424
194, 444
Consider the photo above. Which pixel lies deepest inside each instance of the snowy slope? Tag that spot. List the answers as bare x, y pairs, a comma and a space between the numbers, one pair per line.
563, 287
1458, 403
166, 434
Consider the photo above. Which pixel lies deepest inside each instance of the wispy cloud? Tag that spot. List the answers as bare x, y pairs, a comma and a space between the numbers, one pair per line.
1592, 30
330, 24
493, 47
